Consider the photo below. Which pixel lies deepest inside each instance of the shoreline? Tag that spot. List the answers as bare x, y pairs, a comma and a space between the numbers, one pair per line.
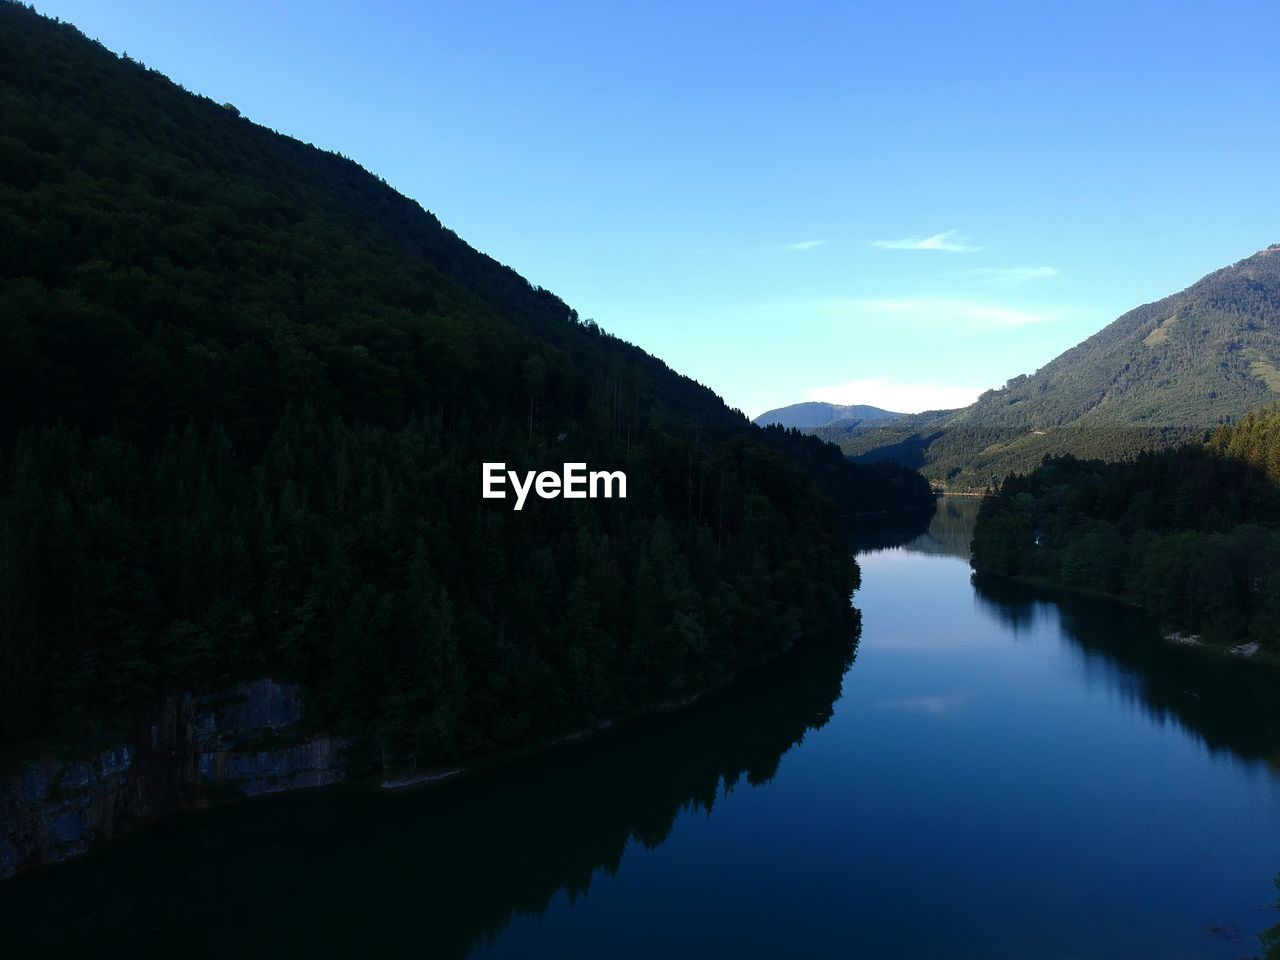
180, 774
1249, 651
442, 774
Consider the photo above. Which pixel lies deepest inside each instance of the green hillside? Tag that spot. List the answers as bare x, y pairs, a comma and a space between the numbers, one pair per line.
247, 389
1162, 374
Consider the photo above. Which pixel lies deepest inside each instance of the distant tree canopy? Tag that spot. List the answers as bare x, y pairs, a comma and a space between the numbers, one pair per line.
1255, 440
1193, 534
246, 392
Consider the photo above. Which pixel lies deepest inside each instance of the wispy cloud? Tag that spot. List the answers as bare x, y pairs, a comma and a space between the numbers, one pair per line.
804, 244
921, 313
947, 242
897, 396
1013, 276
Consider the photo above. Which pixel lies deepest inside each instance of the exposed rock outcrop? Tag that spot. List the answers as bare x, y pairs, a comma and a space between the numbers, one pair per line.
195, 751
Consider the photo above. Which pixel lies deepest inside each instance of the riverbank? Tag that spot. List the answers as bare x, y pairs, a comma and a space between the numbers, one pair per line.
192, 751
1249, 650
437, 775
249, 741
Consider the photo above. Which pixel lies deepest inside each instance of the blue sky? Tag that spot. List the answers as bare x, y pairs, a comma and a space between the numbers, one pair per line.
897, 204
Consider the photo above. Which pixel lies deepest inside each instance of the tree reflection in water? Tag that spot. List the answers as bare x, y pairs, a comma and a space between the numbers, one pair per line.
440, 870
1229, 703
944, 531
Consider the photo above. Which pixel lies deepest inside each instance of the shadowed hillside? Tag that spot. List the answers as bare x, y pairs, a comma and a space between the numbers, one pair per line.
247, 389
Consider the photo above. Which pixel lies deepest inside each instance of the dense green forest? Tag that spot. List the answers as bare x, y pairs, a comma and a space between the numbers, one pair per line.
1192, 534
1164, 374
247, 389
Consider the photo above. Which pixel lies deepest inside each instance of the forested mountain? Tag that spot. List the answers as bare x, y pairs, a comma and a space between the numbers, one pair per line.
806, 416
1193, 533
1162, 374
247, 389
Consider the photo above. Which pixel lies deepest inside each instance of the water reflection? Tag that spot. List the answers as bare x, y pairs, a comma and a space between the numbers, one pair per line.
437, 872
944, 531
1228, 702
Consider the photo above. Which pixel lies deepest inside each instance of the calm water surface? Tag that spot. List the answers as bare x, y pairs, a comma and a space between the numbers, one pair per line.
998, 773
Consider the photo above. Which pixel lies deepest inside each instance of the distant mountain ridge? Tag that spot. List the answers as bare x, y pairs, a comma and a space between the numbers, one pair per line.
815, 413
1163, 373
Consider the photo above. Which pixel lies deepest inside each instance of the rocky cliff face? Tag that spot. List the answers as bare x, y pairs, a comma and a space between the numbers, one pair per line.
194, 752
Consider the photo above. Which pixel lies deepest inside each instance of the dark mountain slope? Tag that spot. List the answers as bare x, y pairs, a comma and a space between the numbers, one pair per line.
246, 392
1161, 374
285, 196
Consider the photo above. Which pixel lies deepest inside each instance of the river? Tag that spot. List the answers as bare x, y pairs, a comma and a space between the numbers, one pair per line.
988, 771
